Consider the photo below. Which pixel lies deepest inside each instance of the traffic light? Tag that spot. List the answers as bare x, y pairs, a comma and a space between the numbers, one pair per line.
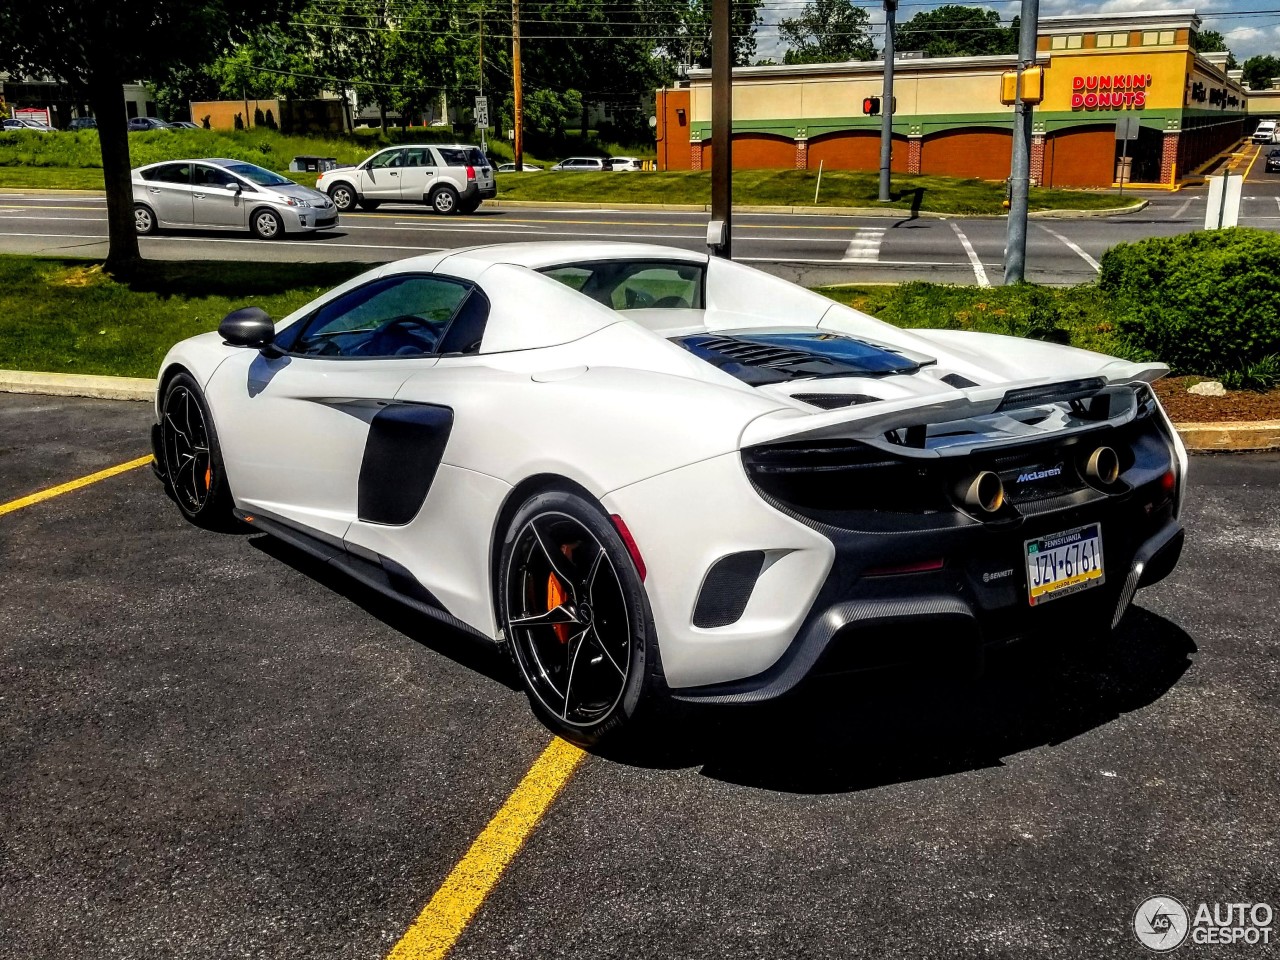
871, 106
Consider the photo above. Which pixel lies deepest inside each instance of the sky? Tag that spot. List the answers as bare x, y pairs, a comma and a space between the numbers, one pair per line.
1251, 27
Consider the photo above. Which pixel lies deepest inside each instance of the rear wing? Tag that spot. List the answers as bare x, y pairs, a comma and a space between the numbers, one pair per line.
956, 423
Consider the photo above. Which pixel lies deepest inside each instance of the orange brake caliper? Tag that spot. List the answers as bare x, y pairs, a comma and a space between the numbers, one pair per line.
556, 595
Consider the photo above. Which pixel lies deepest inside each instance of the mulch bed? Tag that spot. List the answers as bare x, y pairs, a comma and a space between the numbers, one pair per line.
1237, 405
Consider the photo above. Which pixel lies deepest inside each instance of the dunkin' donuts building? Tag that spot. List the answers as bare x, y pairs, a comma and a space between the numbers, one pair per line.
950, 119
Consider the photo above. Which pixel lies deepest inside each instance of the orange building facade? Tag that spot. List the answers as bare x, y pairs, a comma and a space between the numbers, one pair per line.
950, 120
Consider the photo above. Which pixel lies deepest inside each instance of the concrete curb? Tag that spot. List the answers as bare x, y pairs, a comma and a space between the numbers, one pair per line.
77, 385
1231, 436
894, 213
1224, 436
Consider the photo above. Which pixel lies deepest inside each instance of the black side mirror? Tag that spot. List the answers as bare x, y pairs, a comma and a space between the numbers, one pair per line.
247, 327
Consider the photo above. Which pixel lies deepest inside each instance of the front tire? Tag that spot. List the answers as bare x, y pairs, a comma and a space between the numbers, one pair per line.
192, 460
444, 200
266, 224
576, 619
343, 197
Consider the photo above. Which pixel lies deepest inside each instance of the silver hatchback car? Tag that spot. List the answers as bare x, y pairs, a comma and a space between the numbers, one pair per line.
226, 195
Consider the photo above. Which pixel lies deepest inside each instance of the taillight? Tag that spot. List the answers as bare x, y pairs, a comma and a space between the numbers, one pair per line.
471, 173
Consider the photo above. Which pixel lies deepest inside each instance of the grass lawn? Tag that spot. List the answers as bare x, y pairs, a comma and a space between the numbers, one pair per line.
840, 188
69, 160
67, 316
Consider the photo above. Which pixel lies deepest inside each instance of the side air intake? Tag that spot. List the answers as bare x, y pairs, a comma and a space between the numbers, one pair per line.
727, 589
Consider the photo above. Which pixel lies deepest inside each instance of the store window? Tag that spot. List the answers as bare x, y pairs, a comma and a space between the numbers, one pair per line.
1113, 40
1073, 42
1162, 38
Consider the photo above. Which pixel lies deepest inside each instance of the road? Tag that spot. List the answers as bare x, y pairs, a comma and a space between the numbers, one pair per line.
210, 747
811, 249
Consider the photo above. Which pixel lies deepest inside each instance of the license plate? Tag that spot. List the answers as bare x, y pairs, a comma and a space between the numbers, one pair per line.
1064, 563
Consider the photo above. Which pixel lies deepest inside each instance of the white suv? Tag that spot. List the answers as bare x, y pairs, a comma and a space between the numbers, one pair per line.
1266, 132
449, 178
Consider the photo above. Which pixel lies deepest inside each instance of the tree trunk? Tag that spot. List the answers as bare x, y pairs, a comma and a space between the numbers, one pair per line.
107, 101
382, 117
586, 111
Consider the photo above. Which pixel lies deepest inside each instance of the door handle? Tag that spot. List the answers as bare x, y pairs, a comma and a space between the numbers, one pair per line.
199, 196
394, 174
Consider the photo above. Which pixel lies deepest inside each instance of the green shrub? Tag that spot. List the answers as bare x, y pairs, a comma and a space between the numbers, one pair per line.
1205, 303
1262, 375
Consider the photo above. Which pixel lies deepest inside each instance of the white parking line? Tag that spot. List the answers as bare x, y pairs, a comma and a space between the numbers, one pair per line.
1075, 248
548, 232
979, 272
1177, 214
864, 247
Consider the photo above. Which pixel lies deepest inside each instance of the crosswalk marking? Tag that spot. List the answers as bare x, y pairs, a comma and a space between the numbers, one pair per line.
864, 247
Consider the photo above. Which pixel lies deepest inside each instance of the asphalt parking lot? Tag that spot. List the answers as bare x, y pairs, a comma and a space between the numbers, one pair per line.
210, 747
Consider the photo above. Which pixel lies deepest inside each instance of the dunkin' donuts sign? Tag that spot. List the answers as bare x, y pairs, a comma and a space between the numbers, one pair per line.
1120, 91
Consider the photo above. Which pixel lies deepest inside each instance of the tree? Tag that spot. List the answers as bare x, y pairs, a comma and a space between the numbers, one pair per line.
953, 30
1258, 71
1211, 41
827, 31
685, 29
97, 47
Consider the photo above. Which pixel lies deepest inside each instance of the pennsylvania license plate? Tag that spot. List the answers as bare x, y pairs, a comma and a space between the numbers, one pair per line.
1064, 563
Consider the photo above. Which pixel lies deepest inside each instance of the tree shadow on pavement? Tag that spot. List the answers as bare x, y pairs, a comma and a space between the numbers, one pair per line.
857, 732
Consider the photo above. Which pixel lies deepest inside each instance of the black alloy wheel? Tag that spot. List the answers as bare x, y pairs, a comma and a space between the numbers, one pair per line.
192, 467
576, 618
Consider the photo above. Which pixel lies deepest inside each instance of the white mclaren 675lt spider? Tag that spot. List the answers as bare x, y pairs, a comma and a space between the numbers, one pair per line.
651, 474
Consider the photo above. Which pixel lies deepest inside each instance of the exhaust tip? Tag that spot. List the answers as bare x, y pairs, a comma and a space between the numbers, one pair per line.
1103, 466
984, 491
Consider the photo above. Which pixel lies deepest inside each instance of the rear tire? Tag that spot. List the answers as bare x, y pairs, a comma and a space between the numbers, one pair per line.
444, 201
144, 220
191, 458
576, 619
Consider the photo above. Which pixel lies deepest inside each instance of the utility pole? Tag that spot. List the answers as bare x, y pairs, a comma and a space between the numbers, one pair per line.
1015, 251
719, 230
517, 109
886, 102
483, 130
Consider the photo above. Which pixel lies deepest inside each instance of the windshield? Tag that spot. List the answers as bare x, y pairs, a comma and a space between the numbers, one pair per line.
255, 174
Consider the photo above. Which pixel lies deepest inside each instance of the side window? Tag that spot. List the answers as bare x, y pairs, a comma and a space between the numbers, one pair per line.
170, 173
571, 276
390, 159
417, 157
658, 286
213, 177
404, 316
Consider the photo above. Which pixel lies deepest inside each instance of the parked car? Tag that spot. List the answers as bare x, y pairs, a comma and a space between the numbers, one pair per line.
226, 195
16, 123
83, 123
1265, 132
449, 178
147, 123
524, 168
622, 164
641, 472
184, 125
1273, 160
580, 165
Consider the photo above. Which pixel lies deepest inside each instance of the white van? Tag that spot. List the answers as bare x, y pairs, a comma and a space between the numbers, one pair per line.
1265, 132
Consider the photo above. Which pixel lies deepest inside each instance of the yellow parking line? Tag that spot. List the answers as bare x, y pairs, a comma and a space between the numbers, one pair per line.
446, 916
1252, 162
62, 488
